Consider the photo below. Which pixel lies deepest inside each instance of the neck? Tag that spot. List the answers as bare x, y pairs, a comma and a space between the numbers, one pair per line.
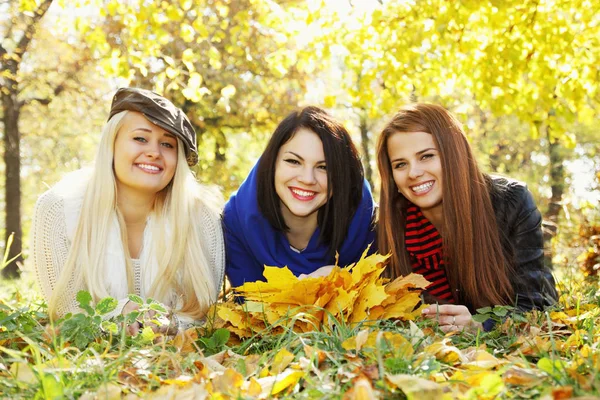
435, 215
301, 229
135, 207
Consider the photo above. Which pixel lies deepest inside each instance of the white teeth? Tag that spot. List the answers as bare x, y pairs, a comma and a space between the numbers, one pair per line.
148, 167
303, 193
422, 188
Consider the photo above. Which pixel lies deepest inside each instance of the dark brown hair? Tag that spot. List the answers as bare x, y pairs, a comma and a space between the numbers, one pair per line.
476, 263
345, 174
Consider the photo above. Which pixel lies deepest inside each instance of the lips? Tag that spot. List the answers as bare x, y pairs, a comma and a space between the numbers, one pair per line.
422, 188
302, 194
149, 168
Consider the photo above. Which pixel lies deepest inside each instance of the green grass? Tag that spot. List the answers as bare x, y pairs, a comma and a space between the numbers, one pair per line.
540, 354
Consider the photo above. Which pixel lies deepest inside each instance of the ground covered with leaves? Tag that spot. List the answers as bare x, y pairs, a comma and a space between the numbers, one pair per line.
360, 338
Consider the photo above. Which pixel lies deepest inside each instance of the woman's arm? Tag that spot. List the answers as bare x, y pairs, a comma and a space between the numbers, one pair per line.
533, 282
50, 246
214, 244
241, 265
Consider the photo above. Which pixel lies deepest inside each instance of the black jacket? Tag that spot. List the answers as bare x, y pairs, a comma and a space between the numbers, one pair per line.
520, 227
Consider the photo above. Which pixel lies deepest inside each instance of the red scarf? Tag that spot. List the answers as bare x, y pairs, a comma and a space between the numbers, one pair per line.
425, 248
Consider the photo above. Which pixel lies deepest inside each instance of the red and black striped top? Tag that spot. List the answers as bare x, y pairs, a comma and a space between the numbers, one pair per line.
424, 245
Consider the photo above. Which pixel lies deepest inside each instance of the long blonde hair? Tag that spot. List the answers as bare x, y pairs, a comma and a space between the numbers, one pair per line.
182, 259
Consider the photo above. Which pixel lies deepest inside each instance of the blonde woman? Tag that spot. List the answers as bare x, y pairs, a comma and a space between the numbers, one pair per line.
138, 222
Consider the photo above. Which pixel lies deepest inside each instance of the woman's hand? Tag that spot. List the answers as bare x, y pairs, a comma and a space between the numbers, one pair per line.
451, 317
323, 271
133, 328
165, 326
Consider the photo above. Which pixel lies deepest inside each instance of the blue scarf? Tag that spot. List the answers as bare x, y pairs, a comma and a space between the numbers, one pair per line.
251, 242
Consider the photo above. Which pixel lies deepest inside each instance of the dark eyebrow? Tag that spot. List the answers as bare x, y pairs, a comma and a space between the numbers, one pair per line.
426, 150
302, 159
418, 153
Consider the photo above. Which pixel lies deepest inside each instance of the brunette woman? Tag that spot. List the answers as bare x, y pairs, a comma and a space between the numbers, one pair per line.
304, 201
477, 238
138, 222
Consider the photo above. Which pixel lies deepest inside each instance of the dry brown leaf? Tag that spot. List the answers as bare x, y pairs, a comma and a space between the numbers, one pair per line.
362, 390
562, 393
522, 377
185, 341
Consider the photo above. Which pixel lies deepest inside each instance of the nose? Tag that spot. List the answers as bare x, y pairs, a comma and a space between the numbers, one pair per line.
153, 150
415, 171
307, 176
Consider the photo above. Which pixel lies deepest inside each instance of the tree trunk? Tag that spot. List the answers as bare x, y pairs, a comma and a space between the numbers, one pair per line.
364, 142
12, 162
557, 179
557, 186
11, 107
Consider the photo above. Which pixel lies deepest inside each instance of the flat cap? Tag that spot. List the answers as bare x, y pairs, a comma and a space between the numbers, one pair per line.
161, 112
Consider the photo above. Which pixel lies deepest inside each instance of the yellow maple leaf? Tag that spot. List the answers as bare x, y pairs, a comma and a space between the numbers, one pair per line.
354, 293
371, 296
367, 265
282, 359
228, 382
445, 352
286, 380
405, 282
252, 388
356, 342
480, 359
415, 387
402, 307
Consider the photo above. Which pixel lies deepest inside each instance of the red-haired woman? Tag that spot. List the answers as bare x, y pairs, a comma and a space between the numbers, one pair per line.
477, 238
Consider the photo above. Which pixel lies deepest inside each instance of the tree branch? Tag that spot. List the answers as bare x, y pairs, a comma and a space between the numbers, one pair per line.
71, 74
47, 100
28, 34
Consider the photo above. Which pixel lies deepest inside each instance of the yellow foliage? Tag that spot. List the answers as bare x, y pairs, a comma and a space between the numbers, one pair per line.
355, 293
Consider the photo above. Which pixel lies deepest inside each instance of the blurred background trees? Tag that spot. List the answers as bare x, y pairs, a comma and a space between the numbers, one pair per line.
521, 75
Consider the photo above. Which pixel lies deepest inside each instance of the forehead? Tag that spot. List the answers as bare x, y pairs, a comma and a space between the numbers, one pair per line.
134, 120
407, 143
303, 142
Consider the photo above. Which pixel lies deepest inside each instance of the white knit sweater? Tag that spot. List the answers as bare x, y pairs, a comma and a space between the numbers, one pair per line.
54, 223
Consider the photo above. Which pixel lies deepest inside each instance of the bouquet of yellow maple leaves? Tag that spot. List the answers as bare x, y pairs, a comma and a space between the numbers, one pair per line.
352, 294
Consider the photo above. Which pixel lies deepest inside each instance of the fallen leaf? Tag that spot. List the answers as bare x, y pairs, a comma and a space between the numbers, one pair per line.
282, 359
22, 372
562, 393
522, 377
415, 387
362, 390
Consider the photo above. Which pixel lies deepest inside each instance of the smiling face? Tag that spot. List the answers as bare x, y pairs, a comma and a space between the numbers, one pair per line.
145, 156
417, 170
301, 176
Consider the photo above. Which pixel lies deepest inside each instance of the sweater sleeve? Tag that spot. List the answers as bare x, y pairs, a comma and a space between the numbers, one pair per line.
50, 247
215, 245
533, 281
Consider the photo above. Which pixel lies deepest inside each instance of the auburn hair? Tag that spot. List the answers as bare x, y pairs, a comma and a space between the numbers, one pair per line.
345, 176
478, 270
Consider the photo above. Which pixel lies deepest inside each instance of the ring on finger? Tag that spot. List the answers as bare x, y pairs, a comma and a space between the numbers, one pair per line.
454, 320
